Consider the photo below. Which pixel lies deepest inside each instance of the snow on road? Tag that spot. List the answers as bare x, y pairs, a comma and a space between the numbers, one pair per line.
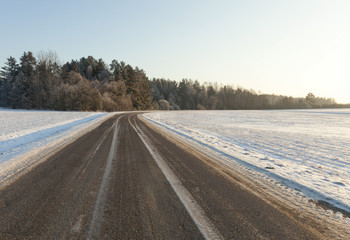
308, 150
24, 135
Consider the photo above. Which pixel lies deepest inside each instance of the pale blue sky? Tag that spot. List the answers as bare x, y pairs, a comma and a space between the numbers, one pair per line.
282, 47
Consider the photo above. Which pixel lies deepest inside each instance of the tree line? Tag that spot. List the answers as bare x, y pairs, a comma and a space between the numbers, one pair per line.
188, 94
89, 84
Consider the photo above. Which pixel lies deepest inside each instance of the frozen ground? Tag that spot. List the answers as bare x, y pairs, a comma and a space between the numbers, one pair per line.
307, 150
25, 134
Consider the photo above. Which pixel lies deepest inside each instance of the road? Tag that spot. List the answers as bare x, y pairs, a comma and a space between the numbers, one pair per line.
125, 180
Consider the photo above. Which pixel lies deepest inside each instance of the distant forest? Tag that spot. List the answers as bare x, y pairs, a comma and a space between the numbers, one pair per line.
89, 84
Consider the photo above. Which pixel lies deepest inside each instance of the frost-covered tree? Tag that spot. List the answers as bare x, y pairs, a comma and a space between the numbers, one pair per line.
163, 104
310, 99
8, 76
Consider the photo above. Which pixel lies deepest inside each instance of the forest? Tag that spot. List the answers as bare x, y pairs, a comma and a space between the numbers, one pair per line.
89, 84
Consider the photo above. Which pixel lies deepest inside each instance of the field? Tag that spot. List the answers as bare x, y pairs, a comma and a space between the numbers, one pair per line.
307, 150
25, 135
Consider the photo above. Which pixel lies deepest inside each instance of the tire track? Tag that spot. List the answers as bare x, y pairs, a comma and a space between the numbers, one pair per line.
97, 215
197, 214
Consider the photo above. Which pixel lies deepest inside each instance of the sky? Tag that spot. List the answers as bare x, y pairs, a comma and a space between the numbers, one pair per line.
276, 47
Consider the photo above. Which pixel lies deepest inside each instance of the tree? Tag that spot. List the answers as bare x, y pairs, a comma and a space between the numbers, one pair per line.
310, 99
27, 64
163, 104
48, 77
286, 102
186, 94
10, 70
8, 76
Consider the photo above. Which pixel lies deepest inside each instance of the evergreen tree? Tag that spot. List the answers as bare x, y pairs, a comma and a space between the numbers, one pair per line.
27, 64
8, 76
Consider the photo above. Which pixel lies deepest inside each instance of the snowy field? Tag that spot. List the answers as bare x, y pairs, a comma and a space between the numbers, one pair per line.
307, 150
25, 134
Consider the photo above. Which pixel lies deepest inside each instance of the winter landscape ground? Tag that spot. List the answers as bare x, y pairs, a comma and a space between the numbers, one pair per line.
26, 136
305, 150
305, 153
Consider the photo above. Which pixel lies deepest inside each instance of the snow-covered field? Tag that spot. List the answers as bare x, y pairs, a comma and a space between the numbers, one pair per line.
307, 150
25, 134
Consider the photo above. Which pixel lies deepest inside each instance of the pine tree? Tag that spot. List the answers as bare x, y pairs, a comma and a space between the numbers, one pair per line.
27, 64
8, 76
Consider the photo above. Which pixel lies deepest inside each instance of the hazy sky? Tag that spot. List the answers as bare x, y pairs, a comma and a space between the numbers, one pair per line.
282, 47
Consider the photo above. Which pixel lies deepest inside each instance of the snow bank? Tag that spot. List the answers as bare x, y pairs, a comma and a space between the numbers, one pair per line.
26, 136
308, 150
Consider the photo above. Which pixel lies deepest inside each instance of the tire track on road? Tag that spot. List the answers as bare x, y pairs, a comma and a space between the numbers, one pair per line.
203, 223
97, 215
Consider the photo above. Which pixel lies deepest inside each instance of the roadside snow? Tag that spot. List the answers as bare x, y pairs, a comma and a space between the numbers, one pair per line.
307, 150
26, 136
